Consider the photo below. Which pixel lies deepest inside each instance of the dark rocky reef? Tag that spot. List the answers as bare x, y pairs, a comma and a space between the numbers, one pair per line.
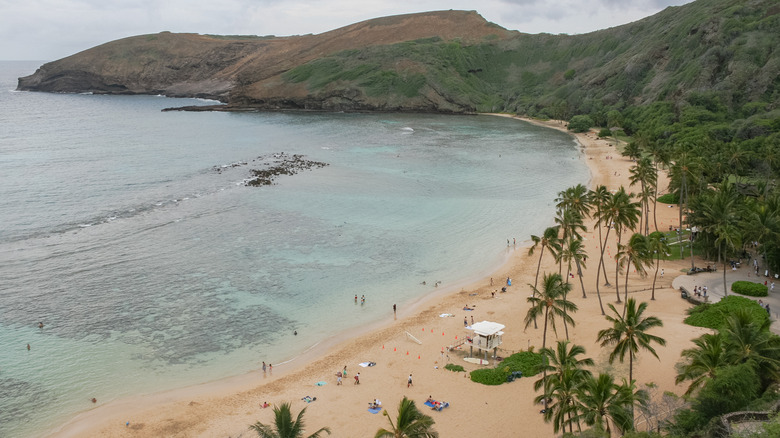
276, 164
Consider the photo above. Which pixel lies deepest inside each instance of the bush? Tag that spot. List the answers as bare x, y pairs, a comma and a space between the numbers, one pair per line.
454, 368
526, 362
669, 198
605, 132
714, 315
750, 289
580, 123
731, 390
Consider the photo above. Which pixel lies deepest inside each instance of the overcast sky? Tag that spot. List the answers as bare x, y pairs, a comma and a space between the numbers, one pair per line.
52, 29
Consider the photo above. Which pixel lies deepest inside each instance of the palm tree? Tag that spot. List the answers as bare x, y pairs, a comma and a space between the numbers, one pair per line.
573, 250
629, 333
701, 362
601, 402
548, 239
551, 303
751, 342
623, 214
599, 198
656, 246
634, 254
566, 376
411, 423
284, 426
644, 174
576, 199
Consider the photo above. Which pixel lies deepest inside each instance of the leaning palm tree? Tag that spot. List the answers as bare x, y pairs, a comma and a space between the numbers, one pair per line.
635, 255
700, 363
573, 250
548, 239
629, 334
411, 423
284, 426
624, 215
750, 342
551, 303
657, 246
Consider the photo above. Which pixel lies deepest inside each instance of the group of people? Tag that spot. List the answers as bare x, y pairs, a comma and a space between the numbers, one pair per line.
376, 404
362, 299
700, 291
764, 305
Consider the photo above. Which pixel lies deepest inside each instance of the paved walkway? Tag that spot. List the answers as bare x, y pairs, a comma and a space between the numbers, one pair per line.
714, 283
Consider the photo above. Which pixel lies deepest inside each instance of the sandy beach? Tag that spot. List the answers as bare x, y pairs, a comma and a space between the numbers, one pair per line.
226, 408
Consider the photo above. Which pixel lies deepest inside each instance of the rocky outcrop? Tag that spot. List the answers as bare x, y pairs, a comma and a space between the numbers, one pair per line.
246, 72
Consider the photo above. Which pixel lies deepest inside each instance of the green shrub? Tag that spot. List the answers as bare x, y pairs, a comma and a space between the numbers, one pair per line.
580, 123
669, 198
731, 390
454, 368
526, 362
750, 289
605, 132
714, 315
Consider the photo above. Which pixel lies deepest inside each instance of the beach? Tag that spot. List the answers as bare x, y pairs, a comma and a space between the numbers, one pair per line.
415, 342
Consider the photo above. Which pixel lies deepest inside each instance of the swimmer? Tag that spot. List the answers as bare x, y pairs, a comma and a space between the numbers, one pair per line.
295, 332
40, 325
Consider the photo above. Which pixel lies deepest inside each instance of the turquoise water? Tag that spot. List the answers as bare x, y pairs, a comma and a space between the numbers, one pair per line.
151, 270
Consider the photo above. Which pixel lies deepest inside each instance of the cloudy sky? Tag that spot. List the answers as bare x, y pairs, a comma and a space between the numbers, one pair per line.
52, 29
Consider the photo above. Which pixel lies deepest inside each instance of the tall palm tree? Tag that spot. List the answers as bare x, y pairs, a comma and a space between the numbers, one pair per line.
643, 174
623, 214
719, 216
634, 254
628, 334
284, 426
683, 175
573, 250
657, 246
566, 374
570, 223
599, 198
576, 199
411, 423
551, 303
701, 362
601, 401
549, 239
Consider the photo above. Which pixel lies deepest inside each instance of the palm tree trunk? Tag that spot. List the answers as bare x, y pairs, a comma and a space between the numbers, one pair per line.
655, 200
617, 268
544, 356
725, 290
579, 274
565, 325
536, 281
598, 270
655, 277
625, 287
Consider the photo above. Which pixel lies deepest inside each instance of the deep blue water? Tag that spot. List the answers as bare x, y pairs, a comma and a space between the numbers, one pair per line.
152, 270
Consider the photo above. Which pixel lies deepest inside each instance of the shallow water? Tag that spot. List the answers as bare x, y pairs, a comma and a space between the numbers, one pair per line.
151, 270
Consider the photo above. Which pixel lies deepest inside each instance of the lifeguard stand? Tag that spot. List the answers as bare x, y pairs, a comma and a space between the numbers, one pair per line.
487, 336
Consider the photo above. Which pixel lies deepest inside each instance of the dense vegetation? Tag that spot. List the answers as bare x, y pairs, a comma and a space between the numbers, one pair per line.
526, 362
750, 289
715, 315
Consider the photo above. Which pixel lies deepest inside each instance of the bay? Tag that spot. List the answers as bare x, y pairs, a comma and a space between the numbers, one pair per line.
128, 232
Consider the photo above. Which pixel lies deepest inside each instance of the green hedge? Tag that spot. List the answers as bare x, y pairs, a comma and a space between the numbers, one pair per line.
669, 198
714, 315
527, 362
454, 368
750, 289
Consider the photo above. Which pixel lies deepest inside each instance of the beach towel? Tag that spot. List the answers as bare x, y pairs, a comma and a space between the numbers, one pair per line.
428, 403
375, 410
367, 364
321, 383
445, 315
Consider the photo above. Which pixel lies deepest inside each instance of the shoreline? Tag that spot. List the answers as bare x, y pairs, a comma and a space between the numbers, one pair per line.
214, 408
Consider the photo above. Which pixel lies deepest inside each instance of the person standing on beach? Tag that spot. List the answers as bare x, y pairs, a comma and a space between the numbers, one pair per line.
409, 381
270, 368
465, 322
394, 309
357, 379
344, 372
263, 367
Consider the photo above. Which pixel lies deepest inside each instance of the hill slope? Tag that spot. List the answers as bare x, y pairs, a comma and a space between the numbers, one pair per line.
451, 61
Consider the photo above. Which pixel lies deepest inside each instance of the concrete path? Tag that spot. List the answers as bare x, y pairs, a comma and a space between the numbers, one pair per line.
714, 283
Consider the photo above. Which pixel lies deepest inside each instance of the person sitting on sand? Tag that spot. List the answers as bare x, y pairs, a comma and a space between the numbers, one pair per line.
430, 399
265, 405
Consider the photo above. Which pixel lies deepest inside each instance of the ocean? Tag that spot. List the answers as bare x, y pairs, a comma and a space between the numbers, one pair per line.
130, 234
